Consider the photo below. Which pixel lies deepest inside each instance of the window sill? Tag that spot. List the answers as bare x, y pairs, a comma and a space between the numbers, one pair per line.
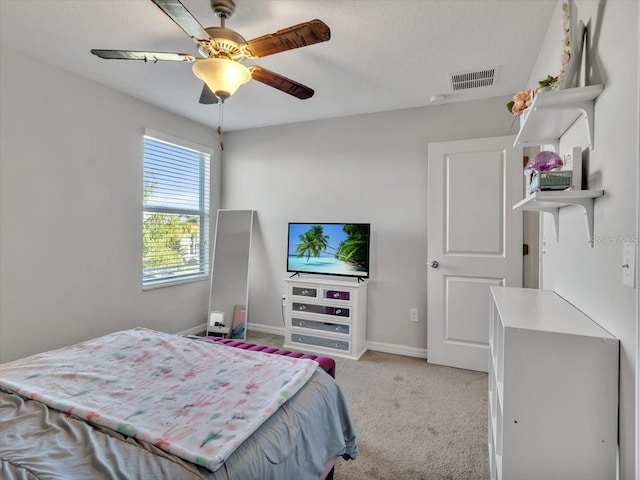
172, 283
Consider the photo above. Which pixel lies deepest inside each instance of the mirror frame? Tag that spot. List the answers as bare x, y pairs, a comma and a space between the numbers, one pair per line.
227, 329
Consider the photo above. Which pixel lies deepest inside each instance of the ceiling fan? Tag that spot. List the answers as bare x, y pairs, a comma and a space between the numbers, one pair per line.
224, 49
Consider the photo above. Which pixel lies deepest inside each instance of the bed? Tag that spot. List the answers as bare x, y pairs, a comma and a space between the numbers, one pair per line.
146, 404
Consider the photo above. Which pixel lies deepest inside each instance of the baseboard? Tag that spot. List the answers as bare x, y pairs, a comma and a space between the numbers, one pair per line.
257, 327
376, 346
397, 349
194, 330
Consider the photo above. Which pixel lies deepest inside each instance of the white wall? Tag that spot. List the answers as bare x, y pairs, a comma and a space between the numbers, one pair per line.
71, 215
368, 168
591, 278
637, 276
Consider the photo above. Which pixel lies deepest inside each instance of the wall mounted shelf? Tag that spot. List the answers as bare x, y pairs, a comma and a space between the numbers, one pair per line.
552, 201
553, 112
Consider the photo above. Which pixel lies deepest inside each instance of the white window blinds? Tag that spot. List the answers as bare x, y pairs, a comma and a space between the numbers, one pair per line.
175, 218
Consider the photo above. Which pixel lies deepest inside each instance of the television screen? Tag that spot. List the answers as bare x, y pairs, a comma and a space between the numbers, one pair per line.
329, 249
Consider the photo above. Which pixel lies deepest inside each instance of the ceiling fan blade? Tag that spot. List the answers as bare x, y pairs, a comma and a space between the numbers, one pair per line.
207, 97
283, 84
177, 12
146, 56
297, 36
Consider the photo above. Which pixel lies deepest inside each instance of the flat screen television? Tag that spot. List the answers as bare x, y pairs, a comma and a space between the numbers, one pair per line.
340, 249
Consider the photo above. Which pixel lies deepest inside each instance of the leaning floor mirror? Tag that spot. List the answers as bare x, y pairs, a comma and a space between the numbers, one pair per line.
229, 293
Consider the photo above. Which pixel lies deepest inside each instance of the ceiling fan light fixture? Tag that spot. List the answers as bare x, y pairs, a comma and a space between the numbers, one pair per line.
222, 76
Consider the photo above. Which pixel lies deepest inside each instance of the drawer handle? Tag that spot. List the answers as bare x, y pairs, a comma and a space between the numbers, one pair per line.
305, 291
338, 329
338, 311
301, 323
336, 295
302, 307
337, 345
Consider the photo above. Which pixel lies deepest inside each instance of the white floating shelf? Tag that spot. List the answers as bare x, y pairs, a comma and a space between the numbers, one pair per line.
553, 112
552, 201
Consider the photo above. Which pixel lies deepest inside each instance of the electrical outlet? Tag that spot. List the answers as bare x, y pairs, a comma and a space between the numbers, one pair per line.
413, 314
629, 264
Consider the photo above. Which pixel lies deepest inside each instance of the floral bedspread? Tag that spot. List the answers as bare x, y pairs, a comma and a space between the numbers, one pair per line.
197, 400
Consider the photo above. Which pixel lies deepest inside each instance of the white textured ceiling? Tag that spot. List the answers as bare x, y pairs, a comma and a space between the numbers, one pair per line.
383, 54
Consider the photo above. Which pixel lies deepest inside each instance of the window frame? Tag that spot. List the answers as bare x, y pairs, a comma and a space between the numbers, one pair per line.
203, 211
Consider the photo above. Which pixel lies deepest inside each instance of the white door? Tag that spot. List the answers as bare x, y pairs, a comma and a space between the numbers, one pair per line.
474, 242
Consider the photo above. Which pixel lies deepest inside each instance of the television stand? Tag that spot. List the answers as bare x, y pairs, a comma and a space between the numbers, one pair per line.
326, 316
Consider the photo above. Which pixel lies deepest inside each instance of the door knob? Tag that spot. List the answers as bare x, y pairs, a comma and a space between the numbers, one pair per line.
434, 264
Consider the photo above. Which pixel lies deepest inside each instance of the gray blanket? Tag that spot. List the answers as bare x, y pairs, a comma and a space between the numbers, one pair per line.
296, 442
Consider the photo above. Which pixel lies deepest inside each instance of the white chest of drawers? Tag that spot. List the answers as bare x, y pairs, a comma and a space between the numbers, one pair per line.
326, 316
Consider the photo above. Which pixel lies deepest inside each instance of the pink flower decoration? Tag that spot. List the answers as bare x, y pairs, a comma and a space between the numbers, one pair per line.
522, 100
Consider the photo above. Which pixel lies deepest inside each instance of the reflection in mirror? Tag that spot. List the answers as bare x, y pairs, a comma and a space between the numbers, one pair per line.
229, 294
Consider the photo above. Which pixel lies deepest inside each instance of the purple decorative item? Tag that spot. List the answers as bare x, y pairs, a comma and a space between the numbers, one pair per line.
545, 161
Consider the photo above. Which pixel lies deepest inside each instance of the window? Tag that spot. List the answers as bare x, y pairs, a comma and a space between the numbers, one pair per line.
175, 212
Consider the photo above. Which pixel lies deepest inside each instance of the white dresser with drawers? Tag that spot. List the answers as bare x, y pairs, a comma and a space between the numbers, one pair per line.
326, 316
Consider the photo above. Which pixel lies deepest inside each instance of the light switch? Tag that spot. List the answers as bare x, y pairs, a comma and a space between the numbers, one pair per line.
629, 264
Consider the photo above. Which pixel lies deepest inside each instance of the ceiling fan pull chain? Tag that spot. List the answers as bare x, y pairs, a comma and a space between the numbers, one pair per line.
221, 123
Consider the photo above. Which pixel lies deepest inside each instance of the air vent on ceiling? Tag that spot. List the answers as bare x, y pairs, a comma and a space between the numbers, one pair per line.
472, 79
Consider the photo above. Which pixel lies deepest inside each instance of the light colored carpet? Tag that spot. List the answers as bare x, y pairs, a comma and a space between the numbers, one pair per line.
413, 420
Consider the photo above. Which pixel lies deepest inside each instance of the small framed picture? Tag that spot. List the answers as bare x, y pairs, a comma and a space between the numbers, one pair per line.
572, 160
572, 47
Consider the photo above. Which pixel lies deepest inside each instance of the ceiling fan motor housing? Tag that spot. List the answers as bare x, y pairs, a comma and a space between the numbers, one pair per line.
227, 43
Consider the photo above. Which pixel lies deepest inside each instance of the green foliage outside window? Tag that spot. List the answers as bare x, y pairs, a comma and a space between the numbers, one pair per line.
169, 240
